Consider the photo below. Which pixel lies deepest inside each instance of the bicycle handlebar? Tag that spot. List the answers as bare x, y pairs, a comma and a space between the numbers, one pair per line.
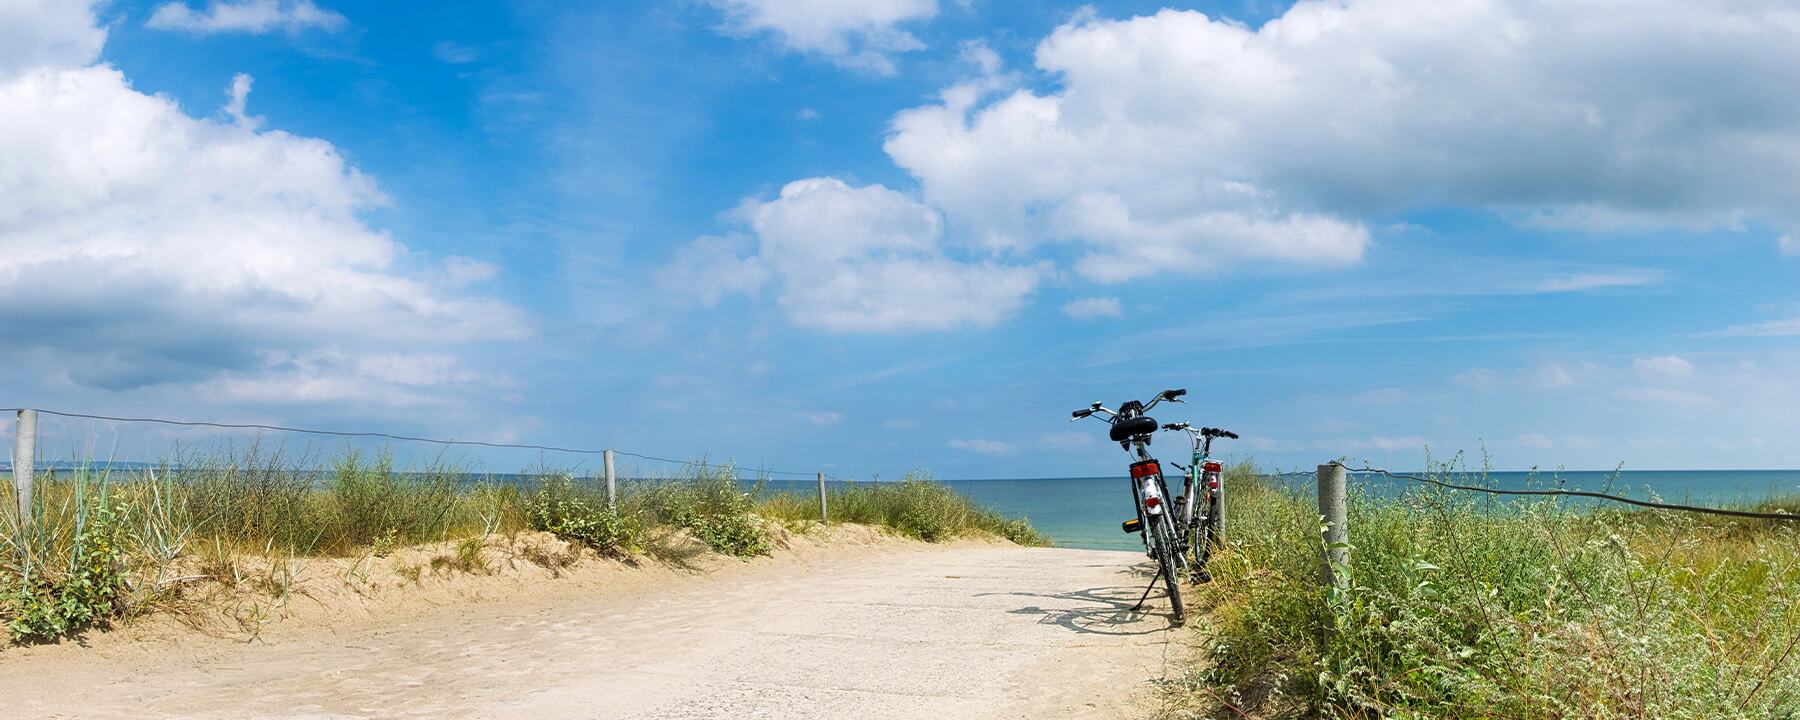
1169, 395
1202, 432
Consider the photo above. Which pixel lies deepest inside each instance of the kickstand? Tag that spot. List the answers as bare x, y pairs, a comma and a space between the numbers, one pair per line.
1140, 602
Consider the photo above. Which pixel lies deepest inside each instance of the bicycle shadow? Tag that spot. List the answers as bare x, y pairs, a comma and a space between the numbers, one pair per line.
1110, 610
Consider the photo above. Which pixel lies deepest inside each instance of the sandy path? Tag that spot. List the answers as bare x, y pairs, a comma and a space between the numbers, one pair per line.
923, 633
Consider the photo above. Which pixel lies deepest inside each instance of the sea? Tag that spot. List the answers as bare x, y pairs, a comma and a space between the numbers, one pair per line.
1085, 512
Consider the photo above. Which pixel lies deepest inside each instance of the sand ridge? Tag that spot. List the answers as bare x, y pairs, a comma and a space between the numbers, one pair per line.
856, 622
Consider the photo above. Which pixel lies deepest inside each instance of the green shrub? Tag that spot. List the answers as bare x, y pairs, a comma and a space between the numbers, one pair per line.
560, 508
48, 602
713, 507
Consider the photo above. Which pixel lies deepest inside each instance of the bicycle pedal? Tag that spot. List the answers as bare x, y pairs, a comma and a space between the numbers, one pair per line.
1132, 526
1202, 577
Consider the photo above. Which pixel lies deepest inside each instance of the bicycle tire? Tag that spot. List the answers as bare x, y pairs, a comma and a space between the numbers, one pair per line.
1166, 557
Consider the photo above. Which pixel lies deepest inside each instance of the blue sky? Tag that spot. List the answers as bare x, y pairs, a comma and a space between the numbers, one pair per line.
876, 236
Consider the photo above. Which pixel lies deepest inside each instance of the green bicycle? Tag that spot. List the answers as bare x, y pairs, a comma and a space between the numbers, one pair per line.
1200, 509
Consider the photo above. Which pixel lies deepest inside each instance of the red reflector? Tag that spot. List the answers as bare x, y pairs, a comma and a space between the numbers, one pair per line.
1214, 467
1152, 501
1145, 469
1214, 484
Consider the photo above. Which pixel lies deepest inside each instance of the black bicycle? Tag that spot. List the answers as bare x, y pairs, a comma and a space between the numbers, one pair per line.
1155, 521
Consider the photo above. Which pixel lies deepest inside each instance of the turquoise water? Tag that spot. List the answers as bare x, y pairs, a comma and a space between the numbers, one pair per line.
1086, 512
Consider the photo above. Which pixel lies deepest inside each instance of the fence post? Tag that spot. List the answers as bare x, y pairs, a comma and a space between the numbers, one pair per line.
24, 463
1334, 507
612, 483
822, 516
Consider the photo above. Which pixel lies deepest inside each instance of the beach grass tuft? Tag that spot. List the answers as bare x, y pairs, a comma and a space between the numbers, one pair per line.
109, 544
1467, 605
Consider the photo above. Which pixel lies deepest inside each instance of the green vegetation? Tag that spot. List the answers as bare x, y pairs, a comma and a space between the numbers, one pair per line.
1465, 605
915, 506
112, 544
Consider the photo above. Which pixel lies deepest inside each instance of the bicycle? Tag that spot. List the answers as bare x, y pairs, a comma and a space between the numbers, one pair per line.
1132, 430
1204, 486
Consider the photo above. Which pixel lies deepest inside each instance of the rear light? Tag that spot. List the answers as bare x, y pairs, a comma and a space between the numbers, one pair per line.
1212, 474
1152, 501
1145, 469
1213, 467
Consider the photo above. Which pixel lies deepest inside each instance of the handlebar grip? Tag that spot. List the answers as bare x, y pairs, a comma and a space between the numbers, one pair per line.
1172, 394
1229, 434
1171, 426
1079, 414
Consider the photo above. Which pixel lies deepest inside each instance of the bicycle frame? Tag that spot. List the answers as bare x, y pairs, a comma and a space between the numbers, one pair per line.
1200, 521
1155, 523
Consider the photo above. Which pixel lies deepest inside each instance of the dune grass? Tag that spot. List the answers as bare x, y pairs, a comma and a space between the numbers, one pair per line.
916, 506
1466, 605
109, 544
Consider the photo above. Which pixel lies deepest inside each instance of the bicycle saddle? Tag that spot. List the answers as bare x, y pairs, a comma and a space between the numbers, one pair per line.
1127, 428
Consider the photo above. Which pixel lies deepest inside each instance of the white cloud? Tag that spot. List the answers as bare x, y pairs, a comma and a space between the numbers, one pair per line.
249, 16
399, 380
1480, 378
1178, 142
1090, 308
1533, 440
1666, 395
1773, 328
864, 34
1669, 368
455, 53
1409, 442
849, 259
1065, 439
985, 447
140, 245
47, 33
1578, 282
1789, 246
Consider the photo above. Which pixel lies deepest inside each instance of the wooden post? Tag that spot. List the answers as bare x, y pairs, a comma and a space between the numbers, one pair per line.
24, 463
1334, 507
612, 483
822, 516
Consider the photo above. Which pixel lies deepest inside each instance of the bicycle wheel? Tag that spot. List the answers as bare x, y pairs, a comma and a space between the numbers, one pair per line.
1170, 562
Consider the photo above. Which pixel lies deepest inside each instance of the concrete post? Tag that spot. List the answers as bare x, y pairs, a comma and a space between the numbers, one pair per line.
822, 515
24, 463
1334, 506
612, 483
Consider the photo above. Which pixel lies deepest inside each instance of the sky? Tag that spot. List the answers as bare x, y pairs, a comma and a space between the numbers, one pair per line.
871, 237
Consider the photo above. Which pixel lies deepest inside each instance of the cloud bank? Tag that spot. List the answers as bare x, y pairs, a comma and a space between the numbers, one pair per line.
141, 245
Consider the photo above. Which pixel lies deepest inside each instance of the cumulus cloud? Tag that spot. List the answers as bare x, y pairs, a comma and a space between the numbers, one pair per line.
1180, 142
852, 259
140, 245
246, 16
864, 35
39, 33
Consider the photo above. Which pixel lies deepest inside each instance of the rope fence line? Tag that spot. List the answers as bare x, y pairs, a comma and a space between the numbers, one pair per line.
25, 439
390, 436
1570, 493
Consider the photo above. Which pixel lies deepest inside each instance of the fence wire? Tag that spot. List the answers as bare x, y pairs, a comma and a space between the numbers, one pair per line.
1570, 493
390, 436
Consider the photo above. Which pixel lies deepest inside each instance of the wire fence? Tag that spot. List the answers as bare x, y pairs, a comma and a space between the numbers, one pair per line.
408, 438
1785, 516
